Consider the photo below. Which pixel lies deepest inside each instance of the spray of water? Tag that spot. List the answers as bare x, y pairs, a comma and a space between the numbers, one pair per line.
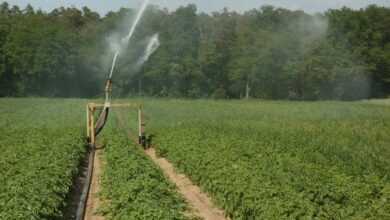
153, 45
124, 42
113, 64
136, 21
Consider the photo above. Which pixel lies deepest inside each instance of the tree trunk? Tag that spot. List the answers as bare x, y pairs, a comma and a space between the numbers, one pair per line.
248, 89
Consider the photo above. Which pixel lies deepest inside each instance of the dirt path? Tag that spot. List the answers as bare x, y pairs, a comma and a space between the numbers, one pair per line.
93, 201
198, 200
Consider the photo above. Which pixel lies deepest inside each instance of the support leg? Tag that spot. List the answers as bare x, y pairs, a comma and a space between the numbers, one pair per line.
92, 126
141, 128
88, 125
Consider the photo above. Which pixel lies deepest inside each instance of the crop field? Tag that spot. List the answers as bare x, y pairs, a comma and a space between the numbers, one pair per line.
281, 160
256, 160
134, 186
41, 144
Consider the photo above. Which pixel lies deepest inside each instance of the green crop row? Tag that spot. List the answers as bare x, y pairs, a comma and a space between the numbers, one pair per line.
41, 145
281, 160
133, 186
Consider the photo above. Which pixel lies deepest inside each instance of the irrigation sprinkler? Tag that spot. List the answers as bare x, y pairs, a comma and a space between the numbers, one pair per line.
94, 128
95, 125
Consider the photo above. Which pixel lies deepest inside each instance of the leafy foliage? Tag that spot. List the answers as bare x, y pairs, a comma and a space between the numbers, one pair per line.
41, 145
280, 160
133, 185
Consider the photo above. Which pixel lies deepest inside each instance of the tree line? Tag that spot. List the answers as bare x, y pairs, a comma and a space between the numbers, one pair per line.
266, 53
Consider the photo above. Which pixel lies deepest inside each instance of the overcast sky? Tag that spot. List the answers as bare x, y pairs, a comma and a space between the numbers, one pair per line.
103, 6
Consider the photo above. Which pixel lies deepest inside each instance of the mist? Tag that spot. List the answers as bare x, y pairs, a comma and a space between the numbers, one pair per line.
124, 47
346, 76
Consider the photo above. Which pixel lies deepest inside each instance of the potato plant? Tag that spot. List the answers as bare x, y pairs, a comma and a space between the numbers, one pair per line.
41, 144
281, 160
133, 185
257, 160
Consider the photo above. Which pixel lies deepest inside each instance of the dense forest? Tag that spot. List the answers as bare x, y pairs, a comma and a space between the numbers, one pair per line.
267, 53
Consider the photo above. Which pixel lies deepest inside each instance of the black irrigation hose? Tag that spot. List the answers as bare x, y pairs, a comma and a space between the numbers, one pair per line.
87, 185
102, 120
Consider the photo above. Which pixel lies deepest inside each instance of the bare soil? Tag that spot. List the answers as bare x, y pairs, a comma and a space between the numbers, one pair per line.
93, 202
199, 201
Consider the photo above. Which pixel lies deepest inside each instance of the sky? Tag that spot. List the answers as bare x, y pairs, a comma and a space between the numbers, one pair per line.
103, 6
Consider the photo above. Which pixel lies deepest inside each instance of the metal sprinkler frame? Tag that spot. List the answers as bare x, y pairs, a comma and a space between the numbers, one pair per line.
92, 123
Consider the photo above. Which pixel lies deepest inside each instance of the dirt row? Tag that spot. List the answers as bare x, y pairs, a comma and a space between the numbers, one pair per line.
200, 203
94, 202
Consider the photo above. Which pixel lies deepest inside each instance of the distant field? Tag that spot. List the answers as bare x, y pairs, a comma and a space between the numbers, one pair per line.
257, 160
379, 101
